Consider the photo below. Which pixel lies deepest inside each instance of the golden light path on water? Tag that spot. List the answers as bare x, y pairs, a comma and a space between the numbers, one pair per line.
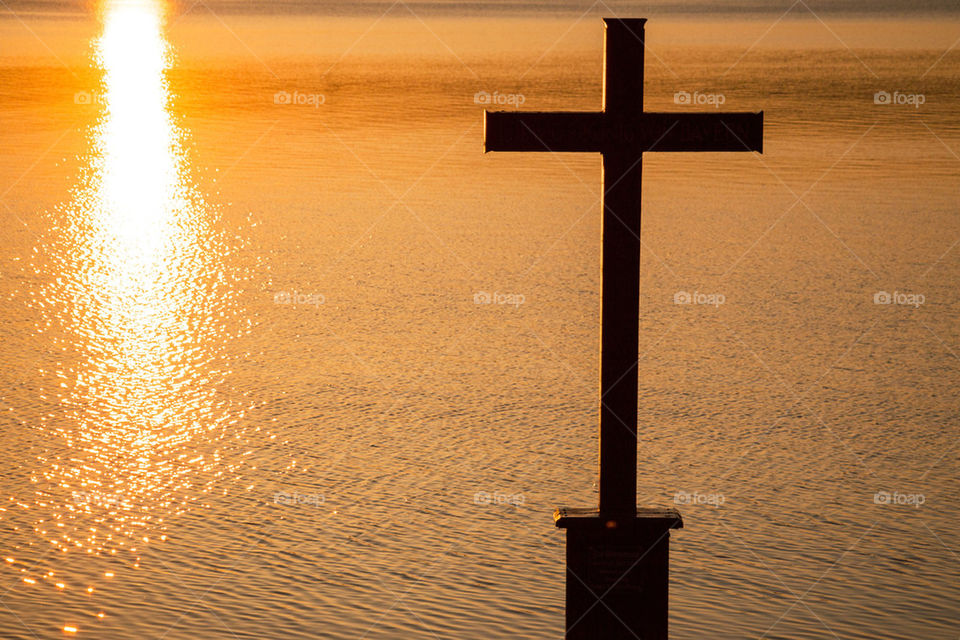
139, 307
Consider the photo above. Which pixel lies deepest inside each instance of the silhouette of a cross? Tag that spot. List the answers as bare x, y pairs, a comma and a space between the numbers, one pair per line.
622, 132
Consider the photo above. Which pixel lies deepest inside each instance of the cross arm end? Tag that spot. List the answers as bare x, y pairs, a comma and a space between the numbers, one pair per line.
570, 131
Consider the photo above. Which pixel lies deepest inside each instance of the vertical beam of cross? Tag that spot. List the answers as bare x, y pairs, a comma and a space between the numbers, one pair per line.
620, 272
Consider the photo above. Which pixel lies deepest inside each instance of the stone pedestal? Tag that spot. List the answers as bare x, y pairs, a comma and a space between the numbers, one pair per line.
617, 573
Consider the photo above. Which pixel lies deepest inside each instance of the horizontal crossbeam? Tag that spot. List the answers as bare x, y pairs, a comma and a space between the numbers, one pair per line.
559, 131
585, 131
698, 132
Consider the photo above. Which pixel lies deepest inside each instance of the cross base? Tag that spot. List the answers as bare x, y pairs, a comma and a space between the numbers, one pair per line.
617, 573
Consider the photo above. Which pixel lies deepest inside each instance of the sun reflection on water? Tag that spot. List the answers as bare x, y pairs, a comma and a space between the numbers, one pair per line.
140, 308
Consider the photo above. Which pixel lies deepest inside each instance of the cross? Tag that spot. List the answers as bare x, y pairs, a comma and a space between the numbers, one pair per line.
622, 132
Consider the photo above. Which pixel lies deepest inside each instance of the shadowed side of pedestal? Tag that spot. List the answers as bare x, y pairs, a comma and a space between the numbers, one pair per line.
617, 573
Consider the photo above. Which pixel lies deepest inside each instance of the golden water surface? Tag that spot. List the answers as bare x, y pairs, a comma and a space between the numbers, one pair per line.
252, 386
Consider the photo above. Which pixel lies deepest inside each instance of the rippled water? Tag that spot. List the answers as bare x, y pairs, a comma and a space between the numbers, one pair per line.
249, 393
